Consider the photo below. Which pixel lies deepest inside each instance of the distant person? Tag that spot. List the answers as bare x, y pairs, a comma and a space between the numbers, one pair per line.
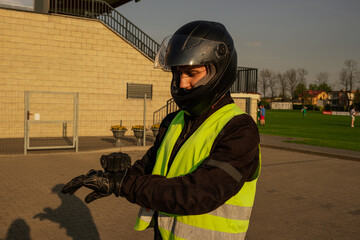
352, 115
262, 115
258, 115
303, 110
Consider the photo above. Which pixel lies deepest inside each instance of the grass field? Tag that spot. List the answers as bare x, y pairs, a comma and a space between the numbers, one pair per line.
316, 129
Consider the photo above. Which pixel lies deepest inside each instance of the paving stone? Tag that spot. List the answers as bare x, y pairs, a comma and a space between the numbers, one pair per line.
299, 196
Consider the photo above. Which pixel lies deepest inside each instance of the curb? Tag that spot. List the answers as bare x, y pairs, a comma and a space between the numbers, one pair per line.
115, 149
313, 152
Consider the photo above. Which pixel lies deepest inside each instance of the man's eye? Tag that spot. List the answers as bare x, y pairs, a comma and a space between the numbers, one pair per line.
190, 74
194, 73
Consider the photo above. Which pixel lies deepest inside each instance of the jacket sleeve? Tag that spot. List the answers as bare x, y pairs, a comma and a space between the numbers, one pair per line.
211, 184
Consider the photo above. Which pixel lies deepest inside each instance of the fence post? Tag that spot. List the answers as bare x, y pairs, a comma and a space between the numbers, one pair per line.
144, 134
26, 110
92, 9
76, 120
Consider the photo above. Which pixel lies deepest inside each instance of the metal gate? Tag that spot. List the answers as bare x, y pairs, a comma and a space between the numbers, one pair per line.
51, 120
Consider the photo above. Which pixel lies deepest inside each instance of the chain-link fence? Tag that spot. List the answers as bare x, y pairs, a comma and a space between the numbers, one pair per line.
56, 120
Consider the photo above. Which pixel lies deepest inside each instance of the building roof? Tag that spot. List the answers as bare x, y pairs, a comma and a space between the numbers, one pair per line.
314, 93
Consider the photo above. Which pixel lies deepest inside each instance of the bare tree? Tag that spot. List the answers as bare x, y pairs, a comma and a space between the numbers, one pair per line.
343, 79
290, 76
322, 78
273, 84
301, 73
282, 84
344, 82
264, 80
349, 75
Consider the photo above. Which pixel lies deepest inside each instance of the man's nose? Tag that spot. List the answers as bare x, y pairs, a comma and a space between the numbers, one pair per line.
185, 81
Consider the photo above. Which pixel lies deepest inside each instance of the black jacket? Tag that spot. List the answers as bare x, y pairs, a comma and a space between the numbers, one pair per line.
208, 187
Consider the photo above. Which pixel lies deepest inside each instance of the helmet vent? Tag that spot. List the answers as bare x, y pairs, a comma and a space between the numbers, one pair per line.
221, 50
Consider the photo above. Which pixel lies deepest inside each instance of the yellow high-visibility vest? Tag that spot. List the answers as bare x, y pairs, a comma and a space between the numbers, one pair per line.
229, 221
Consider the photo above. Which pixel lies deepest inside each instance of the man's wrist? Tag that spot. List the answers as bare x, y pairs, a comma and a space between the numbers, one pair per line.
118, 181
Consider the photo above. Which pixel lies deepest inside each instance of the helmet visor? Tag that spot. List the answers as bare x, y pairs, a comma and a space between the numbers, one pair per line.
182, 50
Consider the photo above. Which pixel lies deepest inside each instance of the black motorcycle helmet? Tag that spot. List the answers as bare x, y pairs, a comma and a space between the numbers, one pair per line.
200, 43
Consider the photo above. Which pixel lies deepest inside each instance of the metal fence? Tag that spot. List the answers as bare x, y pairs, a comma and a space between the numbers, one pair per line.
101, 10
44, 122
246, 80
51, 120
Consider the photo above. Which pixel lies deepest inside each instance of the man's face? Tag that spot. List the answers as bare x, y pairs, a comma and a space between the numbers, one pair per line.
190, 75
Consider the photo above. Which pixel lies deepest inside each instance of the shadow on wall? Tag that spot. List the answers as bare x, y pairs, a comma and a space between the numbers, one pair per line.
72, 214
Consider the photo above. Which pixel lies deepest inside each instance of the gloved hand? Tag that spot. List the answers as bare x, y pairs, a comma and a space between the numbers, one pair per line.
115, 162
103, 184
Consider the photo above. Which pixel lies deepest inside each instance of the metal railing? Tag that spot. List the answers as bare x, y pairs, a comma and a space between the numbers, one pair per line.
246, 80
101, 10
160, 114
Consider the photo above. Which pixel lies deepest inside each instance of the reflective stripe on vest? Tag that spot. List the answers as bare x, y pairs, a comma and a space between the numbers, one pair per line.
171, 228
229, 221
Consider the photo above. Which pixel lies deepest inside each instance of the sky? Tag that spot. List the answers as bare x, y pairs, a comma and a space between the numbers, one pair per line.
318, 35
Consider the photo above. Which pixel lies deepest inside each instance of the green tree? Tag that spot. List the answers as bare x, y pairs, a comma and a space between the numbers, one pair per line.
313, 86
324, 87
300, 92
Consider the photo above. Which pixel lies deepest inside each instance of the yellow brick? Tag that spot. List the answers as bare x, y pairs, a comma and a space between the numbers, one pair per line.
6, 12
42, 30
39, 17
54, 31
65, 20
35, 23
29, 28
65, 32
48, 24
71, 28
16, 26
59, 26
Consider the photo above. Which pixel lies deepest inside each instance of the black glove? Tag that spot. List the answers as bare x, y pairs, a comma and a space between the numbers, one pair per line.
115, 162
103, 184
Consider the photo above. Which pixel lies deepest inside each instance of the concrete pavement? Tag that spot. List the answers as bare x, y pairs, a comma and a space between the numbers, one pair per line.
299, 196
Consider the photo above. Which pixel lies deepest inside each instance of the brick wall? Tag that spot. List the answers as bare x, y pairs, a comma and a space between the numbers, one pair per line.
57, 53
